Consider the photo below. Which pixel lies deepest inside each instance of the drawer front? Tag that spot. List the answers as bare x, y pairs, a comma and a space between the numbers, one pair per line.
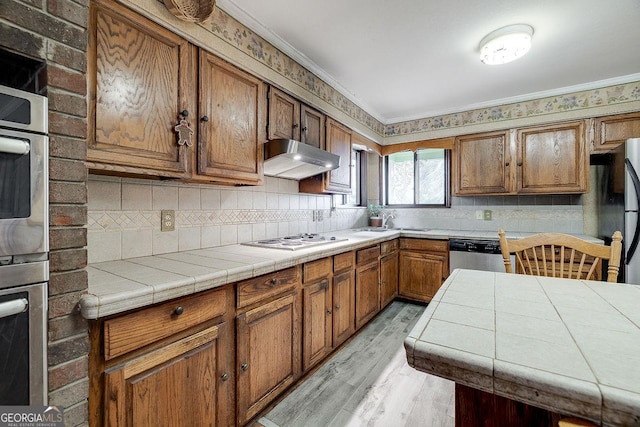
425, 244
314, 270
344, 262
388, 247
366, 255
132, 331
259, 288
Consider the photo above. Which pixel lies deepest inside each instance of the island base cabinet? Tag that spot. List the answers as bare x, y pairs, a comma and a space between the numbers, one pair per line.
156, 388
268, 354
476, 408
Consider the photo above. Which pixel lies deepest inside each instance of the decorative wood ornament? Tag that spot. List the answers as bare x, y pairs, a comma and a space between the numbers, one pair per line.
184, 131
191, 10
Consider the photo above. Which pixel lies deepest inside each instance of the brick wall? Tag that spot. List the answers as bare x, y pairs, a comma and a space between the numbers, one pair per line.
55, 31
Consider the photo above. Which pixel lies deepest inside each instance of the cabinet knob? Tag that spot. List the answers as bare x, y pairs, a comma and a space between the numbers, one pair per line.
506, 164
244, 366
274, 281
304, 129
295, 125
178, 311
224, 377
184, 113
337, 307
519, 163
328, 311
205, 118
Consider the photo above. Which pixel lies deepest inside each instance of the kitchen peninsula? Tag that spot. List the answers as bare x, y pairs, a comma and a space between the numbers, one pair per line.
544, 347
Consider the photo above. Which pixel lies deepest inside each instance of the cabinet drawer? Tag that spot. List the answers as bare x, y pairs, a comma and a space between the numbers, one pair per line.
388, 247
366, 255
253, 290
343, 262
132, 331
314, 270
425, 244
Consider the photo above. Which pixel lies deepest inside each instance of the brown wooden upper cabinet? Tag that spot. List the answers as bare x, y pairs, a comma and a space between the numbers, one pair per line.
231, 123
291, 119
338, 141
611, 131
140, 78
547, 159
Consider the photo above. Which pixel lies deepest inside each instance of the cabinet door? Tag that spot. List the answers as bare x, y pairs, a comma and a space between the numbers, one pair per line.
268, 354
367, 292
317, 323
482, 164
339, 142
312, 122
612, 131
421, 274
284, 115
552, 159
156, 388
140, 78
388, 278
344, 307
232, 130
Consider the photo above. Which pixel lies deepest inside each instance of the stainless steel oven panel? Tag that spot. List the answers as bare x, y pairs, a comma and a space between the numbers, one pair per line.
30, 235
37, 309
37, 120
23, 274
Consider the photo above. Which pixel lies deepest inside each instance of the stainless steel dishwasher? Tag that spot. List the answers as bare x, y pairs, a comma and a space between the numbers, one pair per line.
475, 254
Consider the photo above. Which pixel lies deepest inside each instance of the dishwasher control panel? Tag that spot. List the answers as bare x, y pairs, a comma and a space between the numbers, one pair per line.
475, 245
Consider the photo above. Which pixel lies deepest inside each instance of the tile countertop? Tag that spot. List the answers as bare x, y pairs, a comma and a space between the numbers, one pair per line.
118, 286
568, 346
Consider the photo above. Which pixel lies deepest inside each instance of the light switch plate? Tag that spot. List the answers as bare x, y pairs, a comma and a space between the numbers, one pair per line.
167, 220
479, 214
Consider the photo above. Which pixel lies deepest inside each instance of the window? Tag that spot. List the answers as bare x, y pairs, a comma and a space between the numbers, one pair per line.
417, 179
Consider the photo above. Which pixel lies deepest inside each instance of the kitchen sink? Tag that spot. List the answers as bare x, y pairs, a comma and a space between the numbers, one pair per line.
411, 229
377, 229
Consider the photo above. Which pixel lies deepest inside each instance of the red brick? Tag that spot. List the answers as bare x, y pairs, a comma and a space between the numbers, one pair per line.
70, 394
75, 105
67, 237
60, 215
67, 170
67, 349
67, 259
66, 373
69, 11
66, 79
67, 326
68, 281
19, 41
66, 56
67, 125
67, 147
67, 192
64, 304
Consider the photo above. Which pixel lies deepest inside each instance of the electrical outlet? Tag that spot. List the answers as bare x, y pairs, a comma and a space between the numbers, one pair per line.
167, 220
487, 215
479, 214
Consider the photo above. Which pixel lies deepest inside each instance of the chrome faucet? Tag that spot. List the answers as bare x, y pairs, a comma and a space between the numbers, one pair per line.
386, 218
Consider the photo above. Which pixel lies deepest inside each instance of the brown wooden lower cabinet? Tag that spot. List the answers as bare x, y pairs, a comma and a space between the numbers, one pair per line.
344, 307
476, 408
267, 354
424, 265
388, 278
367, 292
317, 322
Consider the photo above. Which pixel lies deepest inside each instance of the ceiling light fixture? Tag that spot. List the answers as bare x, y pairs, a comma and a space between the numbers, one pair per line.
506, 44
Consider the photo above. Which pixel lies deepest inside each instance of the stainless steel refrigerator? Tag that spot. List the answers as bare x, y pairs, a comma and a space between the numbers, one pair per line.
618, 197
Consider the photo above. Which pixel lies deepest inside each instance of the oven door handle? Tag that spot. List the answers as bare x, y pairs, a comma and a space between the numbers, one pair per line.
13, 146
16, 306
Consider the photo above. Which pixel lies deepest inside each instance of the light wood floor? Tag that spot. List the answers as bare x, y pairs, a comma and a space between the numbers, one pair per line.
369, 383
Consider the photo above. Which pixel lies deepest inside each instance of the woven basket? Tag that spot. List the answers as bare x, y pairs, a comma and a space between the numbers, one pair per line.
191, 10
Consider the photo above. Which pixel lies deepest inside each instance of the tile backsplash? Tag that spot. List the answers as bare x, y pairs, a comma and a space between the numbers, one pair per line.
124, 215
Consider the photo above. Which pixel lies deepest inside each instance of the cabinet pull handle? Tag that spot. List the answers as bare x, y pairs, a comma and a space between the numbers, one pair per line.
178, 311
244, 366
205, 118
224, 377
273, 281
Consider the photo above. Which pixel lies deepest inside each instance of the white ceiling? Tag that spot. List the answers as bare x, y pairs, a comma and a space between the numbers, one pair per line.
403, 60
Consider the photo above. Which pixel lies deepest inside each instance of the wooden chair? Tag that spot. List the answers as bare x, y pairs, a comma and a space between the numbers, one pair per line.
561, 255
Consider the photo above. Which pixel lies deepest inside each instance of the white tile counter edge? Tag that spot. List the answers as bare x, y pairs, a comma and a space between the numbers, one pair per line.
119, 286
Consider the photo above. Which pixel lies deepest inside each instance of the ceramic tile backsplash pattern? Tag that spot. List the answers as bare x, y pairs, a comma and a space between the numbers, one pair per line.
124, 215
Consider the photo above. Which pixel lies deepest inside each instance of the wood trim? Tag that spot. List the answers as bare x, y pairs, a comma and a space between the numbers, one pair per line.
446, 143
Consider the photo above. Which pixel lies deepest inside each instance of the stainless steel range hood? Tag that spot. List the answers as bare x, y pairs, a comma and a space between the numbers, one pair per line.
287, 158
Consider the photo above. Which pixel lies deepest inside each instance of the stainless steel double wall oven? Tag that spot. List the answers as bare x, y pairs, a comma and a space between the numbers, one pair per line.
24, 247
